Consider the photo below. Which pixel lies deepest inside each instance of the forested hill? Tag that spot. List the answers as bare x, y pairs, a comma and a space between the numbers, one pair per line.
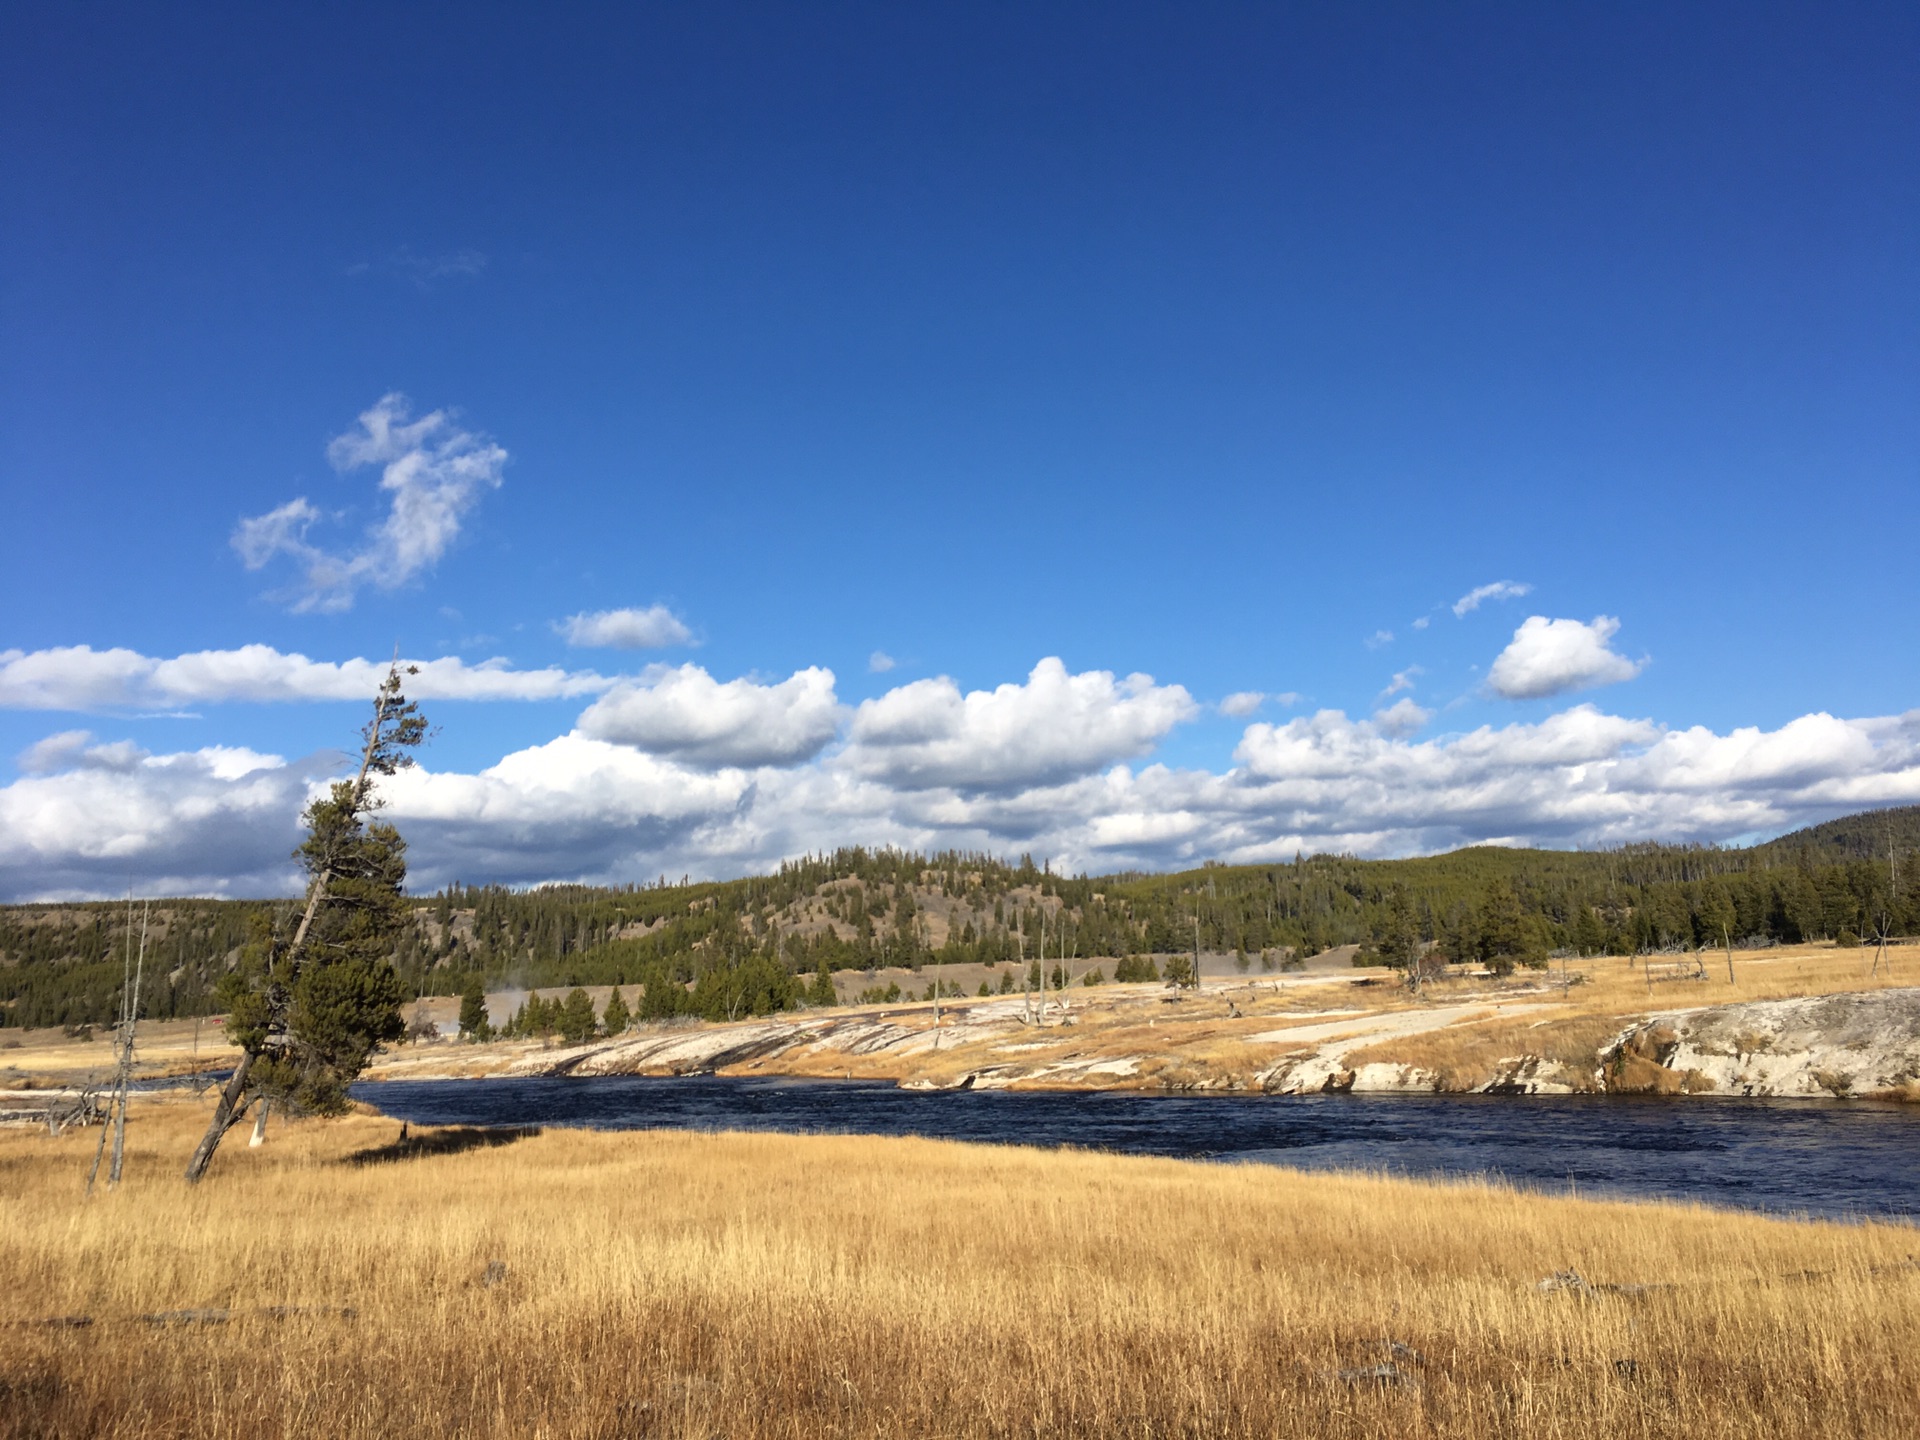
858, 909
1874, 834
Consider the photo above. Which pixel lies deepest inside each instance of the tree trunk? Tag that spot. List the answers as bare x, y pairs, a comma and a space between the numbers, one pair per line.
229, 1108
223, 1117
119, 1135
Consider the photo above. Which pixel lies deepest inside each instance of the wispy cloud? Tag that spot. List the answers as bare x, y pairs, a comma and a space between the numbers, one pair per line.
423, 271
879, 663
1480, 594
653, 628
1378, 639
1242, 703
432, 472
80, 678
1402, 680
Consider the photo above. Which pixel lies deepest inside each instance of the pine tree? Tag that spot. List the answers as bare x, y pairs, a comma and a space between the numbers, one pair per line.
662, 997
1399, 933
473, 1013
576, 1022
616, 1017
1505, 936
309, 1009
1589, 933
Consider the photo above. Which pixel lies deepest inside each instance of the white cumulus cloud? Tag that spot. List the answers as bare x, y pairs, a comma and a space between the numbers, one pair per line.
1577, 777
1498, 590
432, 473
57, 752
653, 628
78, 677
574, 808
1551, 657
687, 714
222, 820
217, 821
1403, 717
1242, 703
928, 735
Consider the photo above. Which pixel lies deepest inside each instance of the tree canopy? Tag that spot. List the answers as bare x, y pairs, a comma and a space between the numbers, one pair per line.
727, 948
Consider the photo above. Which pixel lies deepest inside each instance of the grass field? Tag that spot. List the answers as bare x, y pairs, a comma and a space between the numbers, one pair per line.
684, 1285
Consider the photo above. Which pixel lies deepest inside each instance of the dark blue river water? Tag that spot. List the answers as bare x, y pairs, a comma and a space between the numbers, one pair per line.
1840, 1158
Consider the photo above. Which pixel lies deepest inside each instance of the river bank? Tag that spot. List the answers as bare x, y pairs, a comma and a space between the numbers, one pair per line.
1703, 1025
1581, 1028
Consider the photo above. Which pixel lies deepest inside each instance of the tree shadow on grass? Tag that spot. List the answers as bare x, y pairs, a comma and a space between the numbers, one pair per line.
451, 1141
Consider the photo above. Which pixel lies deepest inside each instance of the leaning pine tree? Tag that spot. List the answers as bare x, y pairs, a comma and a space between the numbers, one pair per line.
309, 1009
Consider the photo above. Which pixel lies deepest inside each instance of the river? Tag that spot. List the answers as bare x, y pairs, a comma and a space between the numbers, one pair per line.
1848, 1159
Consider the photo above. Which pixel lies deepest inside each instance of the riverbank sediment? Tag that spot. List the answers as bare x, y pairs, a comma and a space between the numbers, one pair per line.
1593, 1027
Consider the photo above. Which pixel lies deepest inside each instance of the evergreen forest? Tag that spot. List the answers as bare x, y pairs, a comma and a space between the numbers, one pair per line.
724, 949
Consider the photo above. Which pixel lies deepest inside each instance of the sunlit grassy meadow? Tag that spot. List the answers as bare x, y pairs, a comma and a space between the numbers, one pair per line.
668, 1284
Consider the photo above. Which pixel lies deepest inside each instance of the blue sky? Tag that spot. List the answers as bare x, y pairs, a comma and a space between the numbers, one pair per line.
1213, 344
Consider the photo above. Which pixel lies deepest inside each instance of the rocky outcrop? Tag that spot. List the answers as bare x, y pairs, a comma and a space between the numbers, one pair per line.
1516, 1075
1863, 1044
1850, 1044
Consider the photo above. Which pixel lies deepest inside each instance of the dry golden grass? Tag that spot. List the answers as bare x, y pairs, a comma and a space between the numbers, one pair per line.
166, 1047
683, 1285
1615, 985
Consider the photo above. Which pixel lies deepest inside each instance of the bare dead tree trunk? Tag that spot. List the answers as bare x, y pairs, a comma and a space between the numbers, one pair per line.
1043, 962
119, 1036
1026, 1003
126, 1059
1880, 949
